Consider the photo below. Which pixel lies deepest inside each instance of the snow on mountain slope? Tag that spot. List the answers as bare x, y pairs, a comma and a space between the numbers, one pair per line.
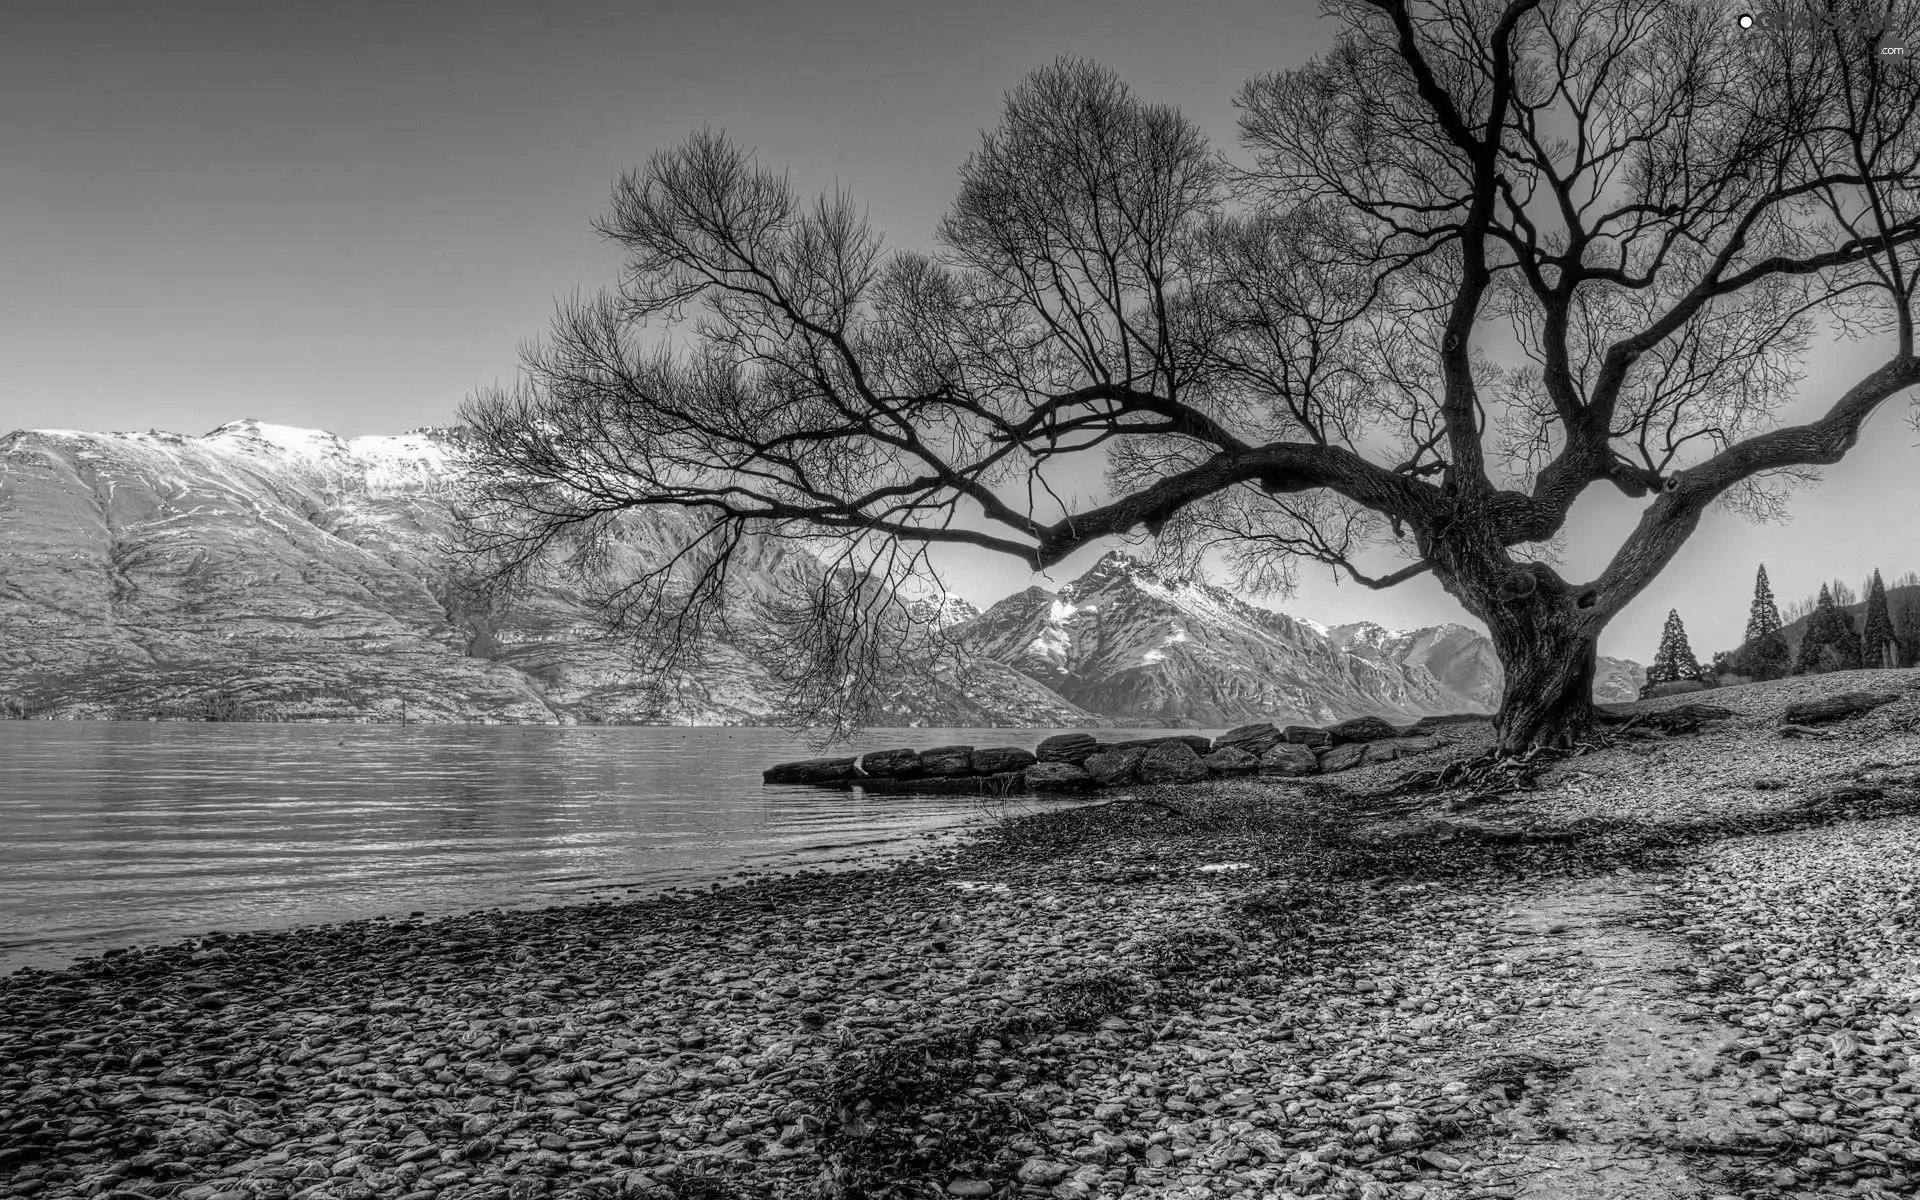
298, 575
1125, 642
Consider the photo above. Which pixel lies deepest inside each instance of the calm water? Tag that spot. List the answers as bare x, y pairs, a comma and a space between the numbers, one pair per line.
116, 834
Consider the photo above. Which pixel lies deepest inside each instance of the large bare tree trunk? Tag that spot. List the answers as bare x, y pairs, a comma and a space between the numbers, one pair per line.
1546, 635
1547, 698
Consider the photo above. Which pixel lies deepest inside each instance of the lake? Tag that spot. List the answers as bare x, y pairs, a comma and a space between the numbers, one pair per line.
123, 833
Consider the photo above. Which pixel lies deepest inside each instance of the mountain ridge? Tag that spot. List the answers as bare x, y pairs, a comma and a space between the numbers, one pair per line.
1123, 641
288, 573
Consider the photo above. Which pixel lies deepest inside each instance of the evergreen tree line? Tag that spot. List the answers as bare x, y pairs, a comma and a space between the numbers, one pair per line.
1887, 635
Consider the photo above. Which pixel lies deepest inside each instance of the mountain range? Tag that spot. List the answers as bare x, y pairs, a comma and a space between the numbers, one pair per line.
266, 572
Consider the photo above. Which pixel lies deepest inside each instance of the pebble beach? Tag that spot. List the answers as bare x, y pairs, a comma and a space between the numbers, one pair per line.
1239, 989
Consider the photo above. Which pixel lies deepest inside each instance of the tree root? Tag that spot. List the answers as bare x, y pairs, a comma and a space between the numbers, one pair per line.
1494, 774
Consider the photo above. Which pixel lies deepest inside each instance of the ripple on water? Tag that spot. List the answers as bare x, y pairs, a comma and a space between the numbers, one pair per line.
151, 831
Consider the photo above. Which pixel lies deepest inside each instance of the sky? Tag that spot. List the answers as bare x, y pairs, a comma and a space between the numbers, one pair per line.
350, 216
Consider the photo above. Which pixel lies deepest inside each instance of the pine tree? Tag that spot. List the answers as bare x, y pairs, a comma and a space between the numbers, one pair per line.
1765, 653
1878, 645
1674, 660
1817, 633
1847, 653
1831, 642
1762, 618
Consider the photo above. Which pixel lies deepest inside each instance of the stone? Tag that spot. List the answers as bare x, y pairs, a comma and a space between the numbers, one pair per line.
1340, 758
947, 761
1305, 735
1057, 777
1042, 1171
1672, 687
969, 1187
1417, 745
1172, 761
1231, 760
998, 760
1073, 748
1804, 731
1699, 712
810, 770
1834, 708
1382, 751
1360, 729
1110, 767
1441, 721
1255, 739
891, 764
1198, 744
1289, 759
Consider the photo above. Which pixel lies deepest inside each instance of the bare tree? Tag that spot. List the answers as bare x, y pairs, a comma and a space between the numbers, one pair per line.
1274, 360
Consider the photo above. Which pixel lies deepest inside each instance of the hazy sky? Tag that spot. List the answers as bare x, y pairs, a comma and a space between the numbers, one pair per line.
350, 215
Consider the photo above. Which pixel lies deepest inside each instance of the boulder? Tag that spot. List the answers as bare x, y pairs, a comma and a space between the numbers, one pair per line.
1339, 758
1835, 708
1289, 759
1672, 687
810, 770
947, 761
1111, 767
1058, 777
1360, 729
1172, 761
1384, 750
891, 764
1231, 760
1442, 720
1684, 718
1416, 745
1254, 739
998, 760
1199, 745
1305, 735
1700, 712
1067, 748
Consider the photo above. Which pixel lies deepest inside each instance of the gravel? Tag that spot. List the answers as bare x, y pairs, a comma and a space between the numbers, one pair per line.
1239, 989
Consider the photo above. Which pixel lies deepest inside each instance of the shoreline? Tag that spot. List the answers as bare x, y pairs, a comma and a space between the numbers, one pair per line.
1113, 1008
860, 855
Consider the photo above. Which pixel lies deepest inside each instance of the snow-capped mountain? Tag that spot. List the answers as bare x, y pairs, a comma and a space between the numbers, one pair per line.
1123, 641
291, 574
943, 611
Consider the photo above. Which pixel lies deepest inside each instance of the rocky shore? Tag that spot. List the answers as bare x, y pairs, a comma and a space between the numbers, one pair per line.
1252, 987
1080, 761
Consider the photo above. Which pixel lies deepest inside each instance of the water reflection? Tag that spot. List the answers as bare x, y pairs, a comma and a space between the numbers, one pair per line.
118, 832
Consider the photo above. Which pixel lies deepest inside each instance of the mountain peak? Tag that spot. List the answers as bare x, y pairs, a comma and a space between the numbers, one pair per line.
288, 438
